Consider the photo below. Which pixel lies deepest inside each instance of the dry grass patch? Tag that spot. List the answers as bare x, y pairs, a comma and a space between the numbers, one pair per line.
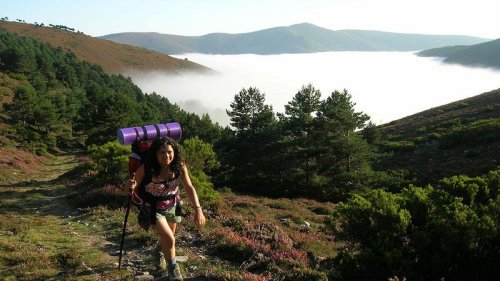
16, 164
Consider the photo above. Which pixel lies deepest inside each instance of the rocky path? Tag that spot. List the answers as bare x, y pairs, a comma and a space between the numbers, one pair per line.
139, 259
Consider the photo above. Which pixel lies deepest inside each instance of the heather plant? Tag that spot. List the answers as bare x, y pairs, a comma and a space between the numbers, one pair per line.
254, 241
110, 195
231, 245
242, 276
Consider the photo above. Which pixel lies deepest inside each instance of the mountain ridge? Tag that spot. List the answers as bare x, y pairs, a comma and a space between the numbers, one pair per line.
297, 38
485, 54
113, 57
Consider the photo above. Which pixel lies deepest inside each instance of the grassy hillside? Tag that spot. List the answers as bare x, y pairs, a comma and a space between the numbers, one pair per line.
299, 38
113, 57
462, 137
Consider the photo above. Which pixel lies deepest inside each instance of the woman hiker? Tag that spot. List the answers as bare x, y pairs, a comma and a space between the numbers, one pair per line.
156, 182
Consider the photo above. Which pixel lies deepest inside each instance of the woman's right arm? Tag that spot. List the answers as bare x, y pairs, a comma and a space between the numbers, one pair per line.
137, 178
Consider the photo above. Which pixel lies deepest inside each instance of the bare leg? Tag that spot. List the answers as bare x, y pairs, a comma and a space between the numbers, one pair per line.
167, 239
173, 226
167, 242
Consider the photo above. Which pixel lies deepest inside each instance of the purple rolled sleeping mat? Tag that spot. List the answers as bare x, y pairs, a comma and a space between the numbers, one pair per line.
127, 136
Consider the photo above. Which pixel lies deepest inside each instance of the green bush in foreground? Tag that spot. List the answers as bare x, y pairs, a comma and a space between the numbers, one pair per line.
110, 161
450, 231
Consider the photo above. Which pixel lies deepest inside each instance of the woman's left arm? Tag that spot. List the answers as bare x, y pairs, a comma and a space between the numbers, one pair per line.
193, 197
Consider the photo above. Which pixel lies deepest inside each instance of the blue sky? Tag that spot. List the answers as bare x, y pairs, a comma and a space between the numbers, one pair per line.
198, 17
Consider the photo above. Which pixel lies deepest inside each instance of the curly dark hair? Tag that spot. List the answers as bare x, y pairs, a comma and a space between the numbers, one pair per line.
151, 164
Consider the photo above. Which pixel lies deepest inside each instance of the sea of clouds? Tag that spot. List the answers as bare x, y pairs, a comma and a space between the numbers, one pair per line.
385, 85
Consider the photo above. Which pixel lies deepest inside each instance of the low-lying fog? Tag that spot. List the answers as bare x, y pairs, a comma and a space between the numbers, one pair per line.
385, 85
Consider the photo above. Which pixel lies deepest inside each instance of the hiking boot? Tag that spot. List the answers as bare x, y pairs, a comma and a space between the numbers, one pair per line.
159, 258
174, 273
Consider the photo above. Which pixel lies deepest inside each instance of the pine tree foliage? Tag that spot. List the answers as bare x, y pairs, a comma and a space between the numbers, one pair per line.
249, 114
344, 154
253, 121
313, 149
298, 125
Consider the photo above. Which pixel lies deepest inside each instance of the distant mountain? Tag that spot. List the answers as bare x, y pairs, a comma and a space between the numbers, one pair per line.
485, 54
299, 38
113, 57
442, 52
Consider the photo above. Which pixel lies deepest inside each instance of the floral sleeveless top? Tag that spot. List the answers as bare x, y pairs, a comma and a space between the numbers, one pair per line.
167, 189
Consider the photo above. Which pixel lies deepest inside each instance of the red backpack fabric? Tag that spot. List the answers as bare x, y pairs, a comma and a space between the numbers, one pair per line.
136, 157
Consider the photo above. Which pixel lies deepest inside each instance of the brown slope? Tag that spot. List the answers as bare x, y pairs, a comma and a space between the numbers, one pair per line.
483, 106
113, 57
443, 141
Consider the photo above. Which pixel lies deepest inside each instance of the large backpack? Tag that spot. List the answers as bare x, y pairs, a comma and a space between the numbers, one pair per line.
135, 160
136, 157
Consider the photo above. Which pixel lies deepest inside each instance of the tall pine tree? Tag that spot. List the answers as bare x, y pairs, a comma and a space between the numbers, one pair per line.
298, 138
345, 155
253, 123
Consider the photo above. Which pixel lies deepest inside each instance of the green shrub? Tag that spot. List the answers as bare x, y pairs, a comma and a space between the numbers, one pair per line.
18, 76
5, 142
448, 232
38, 148
111, 161
204, 188
50, 139
402, 146
201, 159
471, 190
434, 137
419, 140
493, 181
391, 180
479, 132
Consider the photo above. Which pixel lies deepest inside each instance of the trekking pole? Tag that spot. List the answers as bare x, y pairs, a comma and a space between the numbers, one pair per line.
123, 232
